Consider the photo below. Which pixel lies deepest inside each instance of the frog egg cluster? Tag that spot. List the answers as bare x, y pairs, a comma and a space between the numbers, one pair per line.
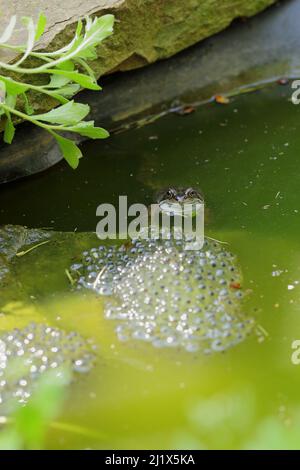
27, 353
169, 296
100, 268
3, 271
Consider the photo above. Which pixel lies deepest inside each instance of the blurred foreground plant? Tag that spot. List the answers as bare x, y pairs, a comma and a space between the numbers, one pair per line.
67, 70
27, 427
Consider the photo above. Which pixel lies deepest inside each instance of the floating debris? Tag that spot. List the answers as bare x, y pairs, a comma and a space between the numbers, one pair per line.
169, 296
221, 99
14, 237
283, 81
34, 247
27, 353
185, 110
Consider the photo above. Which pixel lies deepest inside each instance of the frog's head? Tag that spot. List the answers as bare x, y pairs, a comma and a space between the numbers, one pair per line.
172, 200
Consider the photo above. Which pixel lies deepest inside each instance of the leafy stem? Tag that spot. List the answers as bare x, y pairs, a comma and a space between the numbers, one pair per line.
65, 80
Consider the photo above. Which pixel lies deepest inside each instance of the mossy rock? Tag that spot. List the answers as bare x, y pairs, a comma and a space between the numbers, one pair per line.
145, 30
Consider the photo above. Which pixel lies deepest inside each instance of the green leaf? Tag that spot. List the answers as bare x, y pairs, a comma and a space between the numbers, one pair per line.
10, 440
96, 30
2, 90
14, 88
32, 420
83, 80
82, 45
66, 65
69, 150
57, 81
11, 101
8, 30
40, 26
78, 28
68, 90
87, 68
28, 108
87, 129
2, 96
28, 22
69, 113
9, 129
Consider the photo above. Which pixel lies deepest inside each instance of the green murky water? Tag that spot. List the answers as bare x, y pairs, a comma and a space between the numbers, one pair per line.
245, 157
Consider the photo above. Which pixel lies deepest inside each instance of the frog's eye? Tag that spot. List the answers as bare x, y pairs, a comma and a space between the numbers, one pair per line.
191, 193
170, 193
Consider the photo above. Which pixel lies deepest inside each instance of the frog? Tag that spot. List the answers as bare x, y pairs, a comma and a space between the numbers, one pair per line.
172, 198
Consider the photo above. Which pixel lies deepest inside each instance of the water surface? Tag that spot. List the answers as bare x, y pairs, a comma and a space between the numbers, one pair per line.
245, 158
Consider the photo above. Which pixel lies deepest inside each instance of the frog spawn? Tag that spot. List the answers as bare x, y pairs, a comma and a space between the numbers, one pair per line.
27, 353
168, 296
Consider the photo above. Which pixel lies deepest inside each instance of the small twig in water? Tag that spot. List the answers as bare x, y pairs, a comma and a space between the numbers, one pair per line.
80, 430
98, 277
68, 274
262, 330
218, 241
22, 253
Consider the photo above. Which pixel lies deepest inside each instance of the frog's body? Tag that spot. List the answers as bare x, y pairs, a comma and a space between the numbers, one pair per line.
166, 295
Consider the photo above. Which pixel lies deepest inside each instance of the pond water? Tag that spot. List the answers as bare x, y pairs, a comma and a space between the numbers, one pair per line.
245, 158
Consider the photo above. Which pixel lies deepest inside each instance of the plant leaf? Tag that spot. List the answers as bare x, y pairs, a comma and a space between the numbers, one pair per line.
96, 30
83, 80
57, 81
40, 26
13, 87
66, 65
31, 420
8, 30
9, 129
86, 67
67, 46
2, 90
69, 113
68, 90
82, 45
28, 108
69, 149
28, 22
10, 100
87, 129
2, 96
